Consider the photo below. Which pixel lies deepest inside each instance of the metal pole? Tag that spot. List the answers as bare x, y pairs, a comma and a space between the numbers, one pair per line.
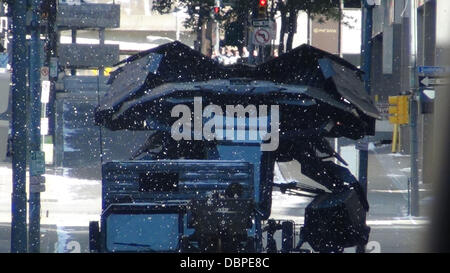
101, 74
19, 128
177, 25
73, 71
414, 112
101, 38
217, 42
35, 130
341, 10
52, 48
367, 47
367, 53
251, 46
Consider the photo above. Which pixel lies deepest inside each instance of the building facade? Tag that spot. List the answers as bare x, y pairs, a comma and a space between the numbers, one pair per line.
391, 75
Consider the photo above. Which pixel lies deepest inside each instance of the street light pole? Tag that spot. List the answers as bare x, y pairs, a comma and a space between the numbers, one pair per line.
367, 53
35, 130
19, 127
363, 165
414, 111
251, 45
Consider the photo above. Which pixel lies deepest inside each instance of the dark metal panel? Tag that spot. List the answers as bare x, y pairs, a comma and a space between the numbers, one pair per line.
350, 86
388, 38
77, 142
196, 178
88, 16
84, 84
127, 81
87, 56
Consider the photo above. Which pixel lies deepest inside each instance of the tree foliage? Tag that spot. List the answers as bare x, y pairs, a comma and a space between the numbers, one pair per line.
240, 13
198, 10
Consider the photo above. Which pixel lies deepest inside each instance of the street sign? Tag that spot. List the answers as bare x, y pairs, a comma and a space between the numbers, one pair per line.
45, 95
430, 94
433, 70
45, 72
37, 163
53, 67
37, 184
261, 36
44, 126
261, 23
428, 81
263, 32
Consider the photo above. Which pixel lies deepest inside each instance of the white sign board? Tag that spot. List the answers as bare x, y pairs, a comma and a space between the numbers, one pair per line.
261, 23
261, 36
37, 163
45, 96
434, 70
44, 126
264, 31
37, 184
431, 81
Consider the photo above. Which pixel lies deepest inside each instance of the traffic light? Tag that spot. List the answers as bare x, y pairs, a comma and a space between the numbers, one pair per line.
262, 8
216, 8
399, 110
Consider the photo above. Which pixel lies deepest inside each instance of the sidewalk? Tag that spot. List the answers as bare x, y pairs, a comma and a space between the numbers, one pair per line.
67, 206
392, 229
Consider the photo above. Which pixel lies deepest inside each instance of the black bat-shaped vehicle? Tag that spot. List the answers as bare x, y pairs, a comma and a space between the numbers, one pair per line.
203, 180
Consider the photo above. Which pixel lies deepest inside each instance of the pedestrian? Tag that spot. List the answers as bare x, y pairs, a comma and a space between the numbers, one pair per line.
234, 57
221, 57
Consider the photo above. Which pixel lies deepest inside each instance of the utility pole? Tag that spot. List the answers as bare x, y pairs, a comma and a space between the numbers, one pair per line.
363, 165
262, 14
251, 47
51, 61
367, 64
37, 166
19, 127
217, 8
414, 111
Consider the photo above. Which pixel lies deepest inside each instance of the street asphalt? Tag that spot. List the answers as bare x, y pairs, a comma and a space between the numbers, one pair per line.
73, 198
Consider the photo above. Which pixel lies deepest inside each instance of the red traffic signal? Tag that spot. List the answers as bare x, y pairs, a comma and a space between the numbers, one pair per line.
262, 9
217, 5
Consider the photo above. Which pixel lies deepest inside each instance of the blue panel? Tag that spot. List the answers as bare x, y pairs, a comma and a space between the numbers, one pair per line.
245, 152
327, 68
153, 62
142, 232
252, 154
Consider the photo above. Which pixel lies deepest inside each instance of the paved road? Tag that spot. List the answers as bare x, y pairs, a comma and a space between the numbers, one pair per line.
70, 203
